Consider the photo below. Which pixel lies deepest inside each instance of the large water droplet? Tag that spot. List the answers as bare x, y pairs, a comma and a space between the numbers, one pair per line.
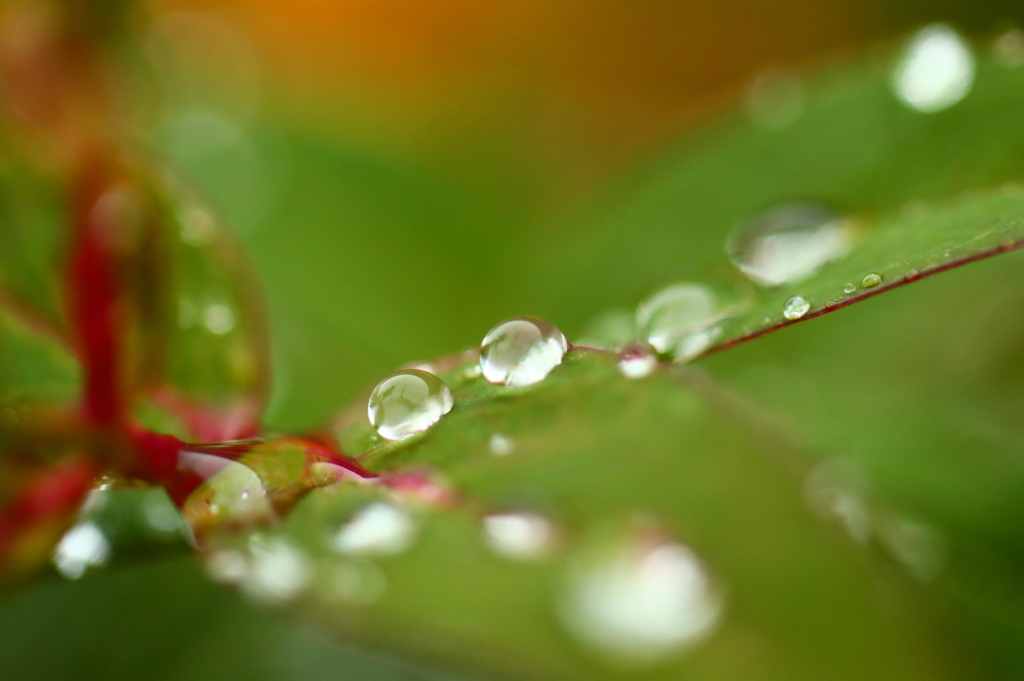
407, 403
523, 536
788, 243
378, 529
795, 308
871, 280
521, 351
936, 70
1008, 48
642, 601
677, 321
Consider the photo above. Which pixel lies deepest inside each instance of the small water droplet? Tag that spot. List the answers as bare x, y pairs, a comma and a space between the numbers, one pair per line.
912, 275
835, 490
677, 320
521, 351
379, 529
82, 547
775, 100
219, 319
795, 308
1008, 48
637, 363
918, 546
522, 536
407, 403
501, 445
641, 602
226, 566
472, 371
936, 70
871, 280
277, 572
831, 304
788, 243
849, 288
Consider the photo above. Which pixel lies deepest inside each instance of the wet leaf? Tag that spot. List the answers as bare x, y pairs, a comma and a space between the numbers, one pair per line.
609, 465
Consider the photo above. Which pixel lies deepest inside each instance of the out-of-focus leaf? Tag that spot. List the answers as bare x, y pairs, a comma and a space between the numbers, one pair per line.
614, 466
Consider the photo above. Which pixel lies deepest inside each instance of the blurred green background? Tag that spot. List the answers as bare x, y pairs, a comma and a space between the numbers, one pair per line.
406, 174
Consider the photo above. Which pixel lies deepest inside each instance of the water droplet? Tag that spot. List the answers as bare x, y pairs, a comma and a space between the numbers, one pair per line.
231, 492
1008, 48
677, 320
637, 363
472, 371
871, 280
379, 529
82, 547
912, 275
407, 403
835, 490
918, 546
788, 243
278, 571
795, 308
611, 330
219, 319
641, 602
936, 70
501, 445
522, 536
775, 100
226, 566
849, 288
521, 351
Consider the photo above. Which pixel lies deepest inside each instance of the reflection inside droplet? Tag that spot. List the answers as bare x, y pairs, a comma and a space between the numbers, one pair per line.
641, 603
522, 536
407, 403
521, 351
936, 70
788, 243
82, 547
378, 529
795, 308
678, 320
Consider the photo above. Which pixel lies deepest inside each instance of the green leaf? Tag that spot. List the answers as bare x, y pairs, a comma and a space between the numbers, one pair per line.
614, 466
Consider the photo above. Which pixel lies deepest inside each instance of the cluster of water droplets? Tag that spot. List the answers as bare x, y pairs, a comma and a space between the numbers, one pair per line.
517, 353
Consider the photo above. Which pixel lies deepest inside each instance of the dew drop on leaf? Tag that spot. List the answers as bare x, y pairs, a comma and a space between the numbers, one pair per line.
520, 536
82, 547
278, 571
788, 243
677, 321
849, 288
637, 363
521, 351
640, 601
936, 70
407, 403
795, 308
501, 445
871, 280
378, 529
